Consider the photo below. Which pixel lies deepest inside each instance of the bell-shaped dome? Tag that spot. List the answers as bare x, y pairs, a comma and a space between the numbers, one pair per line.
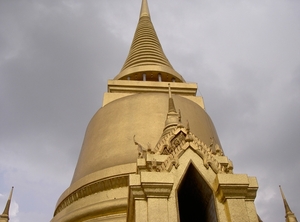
109, 136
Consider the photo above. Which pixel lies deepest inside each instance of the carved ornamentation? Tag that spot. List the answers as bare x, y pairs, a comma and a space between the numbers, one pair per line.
154, 165
92, 188
166, 150
141, 149
175, 143
188, 137
219, 151
177, 139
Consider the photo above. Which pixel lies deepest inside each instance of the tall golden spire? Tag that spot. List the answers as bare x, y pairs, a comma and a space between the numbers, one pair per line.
5, 215
146, 59
289, 215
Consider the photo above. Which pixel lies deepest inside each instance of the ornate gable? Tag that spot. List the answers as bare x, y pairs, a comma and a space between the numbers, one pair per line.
171, 147
166, 176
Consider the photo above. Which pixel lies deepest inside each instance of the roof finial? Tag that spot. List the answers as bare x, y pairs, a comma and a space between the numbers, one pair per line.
172, 120
289, 215
188, 137
179, 125
144, 9
171, 102
5, 214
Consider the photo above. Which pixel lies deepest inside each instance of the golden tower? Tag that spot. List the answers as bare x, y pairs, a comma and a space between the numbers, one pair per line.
4, 217
151, 152
289, 215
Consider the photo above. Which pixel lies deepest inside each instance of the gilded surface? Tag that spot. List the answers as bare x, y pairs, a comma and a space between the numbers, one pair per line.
137, 151
4, 217
289, 215
142, 115
146, 55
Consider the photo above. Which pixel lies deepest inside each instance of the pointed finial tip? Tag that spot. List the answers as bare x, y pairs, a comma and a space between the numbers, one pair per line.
10, 195
144, 9
280, 189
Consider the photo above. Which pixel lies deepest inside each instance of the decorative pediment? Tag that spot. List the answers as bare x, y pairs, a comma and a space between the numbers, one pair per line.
170, 141
172, 146
175, 140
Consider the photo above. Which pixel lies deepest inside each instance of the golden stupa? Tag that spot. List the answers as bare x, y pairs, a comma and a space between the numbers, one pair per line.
151, 152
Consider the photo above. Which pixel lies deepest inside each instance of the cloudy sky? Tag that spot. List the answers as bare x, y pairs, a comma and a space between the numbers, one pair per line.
56, 58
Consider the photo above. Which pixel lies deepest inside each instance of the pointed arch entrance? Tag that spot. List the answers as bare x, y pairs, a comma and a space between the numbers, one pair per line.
195, 198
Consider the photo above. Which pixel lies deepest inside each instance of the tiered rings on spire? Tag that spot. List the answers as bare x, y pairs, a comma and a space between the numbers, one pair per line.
146, 59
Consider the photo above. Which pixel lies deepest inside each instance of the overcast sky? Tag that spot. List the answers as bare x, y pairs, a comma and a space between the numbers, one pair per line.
56, 58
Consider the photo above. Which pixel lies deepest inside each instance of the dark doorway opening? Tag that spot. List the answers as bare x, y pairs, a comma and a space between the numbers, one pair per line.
195, 198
